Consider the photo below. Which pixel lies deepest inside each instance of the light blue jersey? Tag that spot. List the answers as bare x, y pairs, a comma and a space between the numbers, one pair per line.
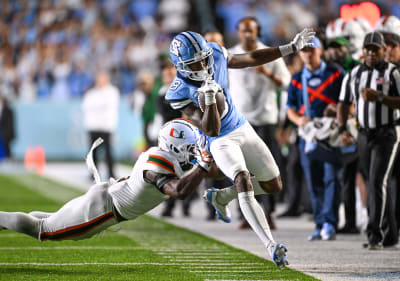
184, 91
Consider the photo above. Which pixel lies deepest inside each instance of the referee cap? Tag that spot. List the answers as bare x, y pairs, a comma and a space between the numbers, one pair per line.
374, 38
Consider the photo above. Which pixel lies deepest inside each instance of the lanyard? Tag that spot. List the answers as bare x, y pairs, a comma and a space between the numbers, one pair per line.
305, 94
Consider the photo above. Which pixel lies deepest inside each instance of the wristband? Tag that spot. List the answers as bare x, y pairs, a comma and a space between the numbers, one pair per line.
286, 49
209, 98
204, 166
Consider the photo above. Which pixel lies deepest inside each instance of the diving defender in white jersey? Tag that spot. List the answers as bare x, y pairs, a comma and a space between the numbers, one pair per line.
159, 173
236, 148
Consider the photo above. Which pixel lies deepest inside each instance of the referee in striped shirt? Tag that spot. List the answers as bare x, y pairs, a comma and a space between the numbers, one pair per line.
374, 88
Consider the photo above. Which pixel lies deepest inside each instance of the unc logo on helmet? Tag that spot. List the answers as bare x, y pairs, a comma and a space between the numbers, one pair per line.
179, 137
174, 47
188, 48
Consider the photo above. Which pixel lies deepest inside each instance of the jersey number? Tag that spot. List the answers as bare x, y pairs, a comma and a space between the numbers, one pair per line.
175, 85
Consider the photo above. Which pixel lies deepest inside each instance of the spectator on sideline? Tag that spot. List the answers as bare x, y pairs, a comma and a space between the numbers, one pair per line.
143, 102
7, 131
339, 53
100, 115
310, 92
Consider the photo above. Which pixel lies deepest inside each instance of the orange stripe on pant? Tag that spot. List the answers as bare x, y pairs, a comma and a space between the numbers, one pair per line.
76, 230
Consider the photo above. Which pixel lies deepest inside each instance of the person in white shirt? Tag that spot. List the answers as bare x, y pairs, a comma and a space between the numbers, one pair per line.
254, 92
100, 114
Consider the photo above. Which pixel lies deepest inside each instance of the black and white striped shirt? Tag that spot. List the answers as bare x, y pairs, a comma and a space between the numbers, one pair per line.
385, 78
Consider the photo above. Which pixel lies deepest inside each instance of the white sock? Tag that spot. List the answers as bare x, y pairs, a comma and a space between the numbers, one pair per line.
20, 222
255, 216
226, 195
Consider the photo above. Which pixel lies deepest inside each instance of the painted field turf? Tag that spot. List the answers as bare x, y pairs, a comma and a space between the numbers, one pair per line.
144, 249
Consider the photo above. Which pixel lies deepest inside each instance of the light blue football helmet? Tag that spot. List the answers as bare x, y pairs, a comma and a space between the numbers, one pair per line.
190, 47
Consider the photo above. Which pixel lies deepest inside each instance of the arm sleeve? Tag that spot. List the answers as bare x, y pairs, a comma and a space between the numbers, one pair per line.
178, 96
160, 163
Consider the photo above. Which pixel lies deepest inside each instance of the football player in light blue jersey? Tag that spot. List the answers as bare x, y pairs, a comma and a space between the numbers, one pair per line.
236, 148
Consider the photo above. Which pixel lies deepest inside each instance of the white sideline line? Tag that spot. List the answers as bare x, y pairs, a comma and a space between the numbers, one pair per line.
73, 248
193, 250
87, 263
200, 254
220, 264
101, 263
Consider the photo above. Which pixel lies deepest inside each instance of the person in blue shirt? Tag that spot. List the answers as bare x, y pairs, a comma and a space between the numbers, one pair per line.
311, 90
236, 148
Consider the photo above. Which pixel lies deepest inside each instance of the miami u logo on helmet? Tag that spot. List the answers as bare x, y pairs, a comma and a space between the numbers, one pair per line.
177, 134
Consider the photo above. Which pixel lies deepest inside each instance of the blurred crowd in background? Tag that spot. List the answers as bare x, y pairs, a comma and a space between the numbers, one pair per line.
52, 48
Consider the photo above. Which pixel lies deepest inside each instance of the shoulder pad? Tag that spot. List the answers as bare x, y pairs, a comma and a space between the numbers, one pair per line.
180, 96
160, 162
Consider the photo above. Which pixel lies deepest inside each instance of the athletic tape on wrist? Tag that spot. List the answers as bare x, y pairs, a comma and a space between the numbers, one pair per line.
209, 98
286, 49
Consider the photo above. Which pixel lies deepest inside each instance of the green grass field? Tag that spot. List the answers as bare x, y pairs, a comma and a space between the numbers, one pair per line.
144, 249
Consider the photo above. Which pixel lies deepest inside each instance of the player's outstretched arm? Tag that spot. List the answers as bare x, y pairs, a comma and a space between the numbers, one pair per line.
266, 55
178, 188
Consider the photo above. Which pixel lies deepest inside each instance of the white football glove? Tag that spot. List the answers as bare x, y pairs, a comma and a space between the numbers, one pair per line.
301, 39
299, 42
210, 88
203, 156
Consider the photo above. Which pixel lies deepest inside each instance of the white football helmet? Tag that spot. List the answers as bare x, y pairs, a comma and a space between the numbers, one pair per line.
353, 32
333, 29
364, 23
179, 137
389, 25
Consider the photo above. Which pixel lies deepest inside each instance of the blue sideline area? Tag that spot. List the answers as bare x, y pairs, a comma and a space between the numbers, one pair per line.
58, 128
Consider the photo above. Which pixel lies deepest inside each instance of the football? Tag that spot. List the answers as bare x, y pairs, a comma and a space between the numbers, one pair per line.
220, 99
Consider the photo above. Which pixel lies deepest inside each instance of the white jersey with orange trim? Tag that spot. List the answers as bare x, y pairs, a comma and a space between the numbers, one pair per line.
93, 212
135, 197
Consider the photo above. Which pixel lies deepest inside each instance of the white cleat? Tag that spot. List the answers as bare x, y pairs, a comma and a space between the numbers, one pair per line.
279, 255
222, 211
